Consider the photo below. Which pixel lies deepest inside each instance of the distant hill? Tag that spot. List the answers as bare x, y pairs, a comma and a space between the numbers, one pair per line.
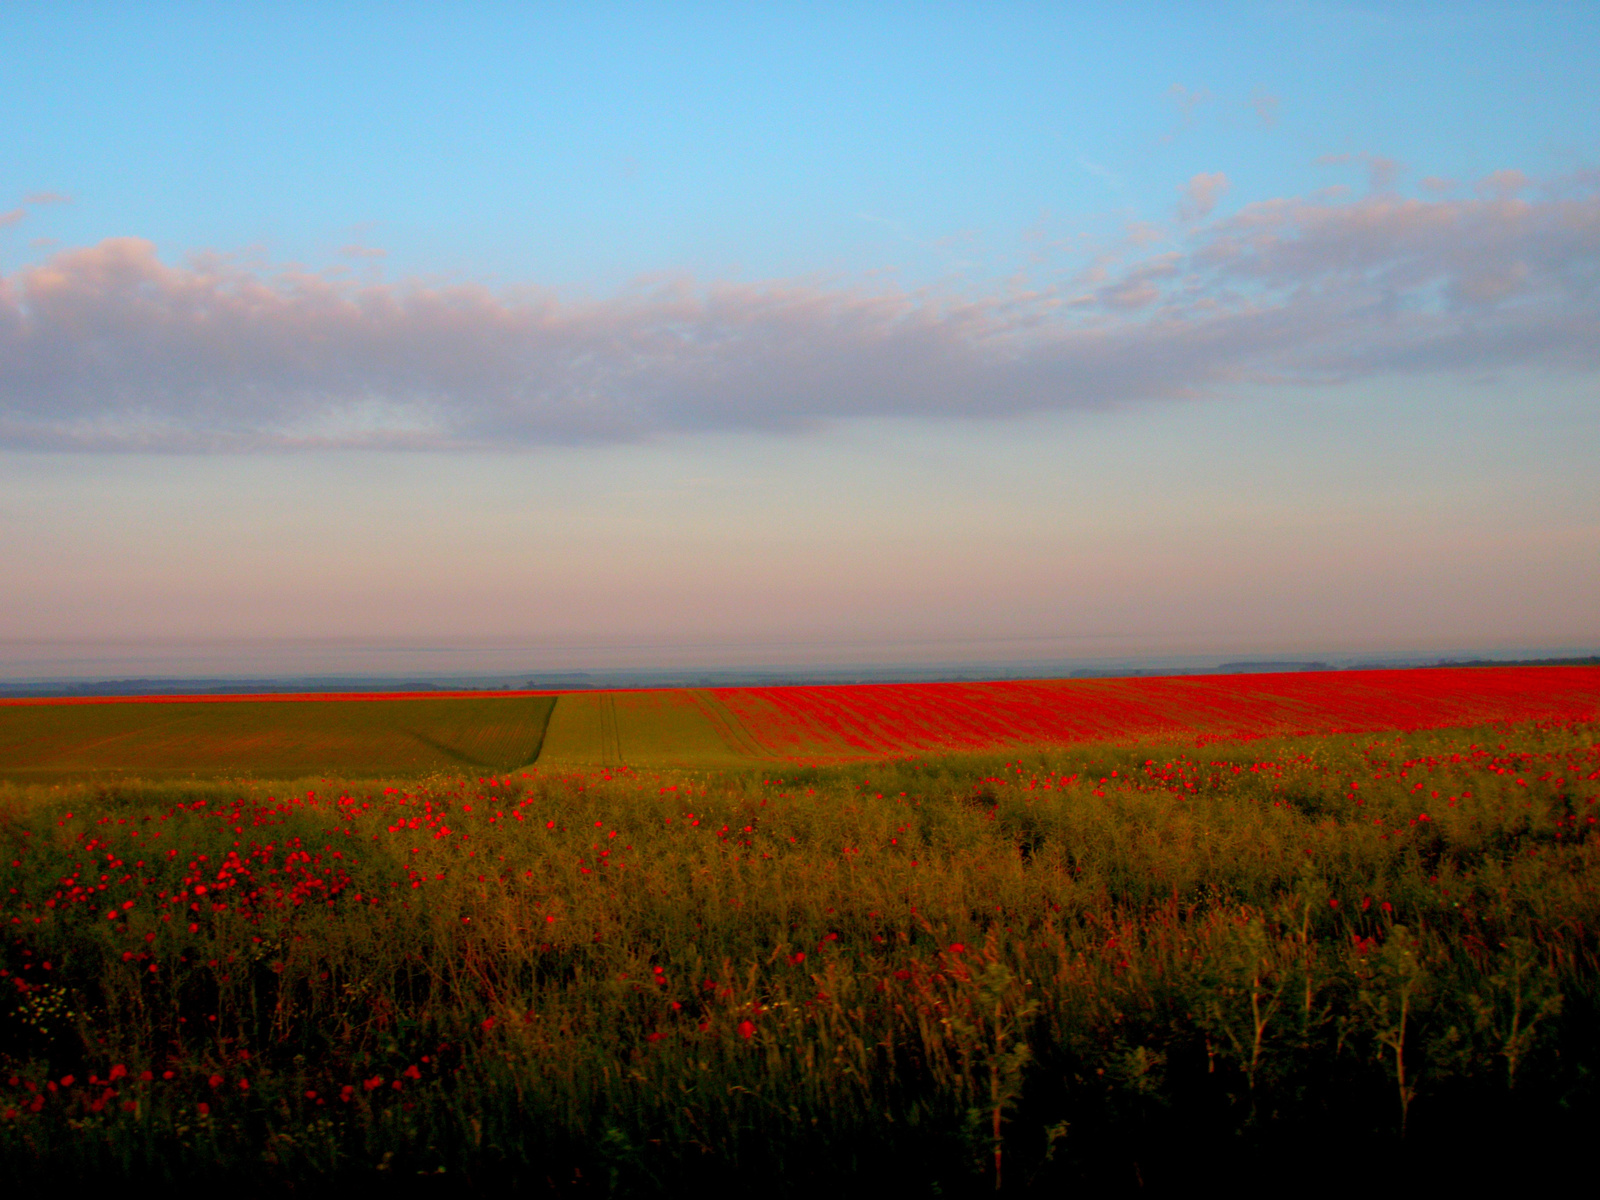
1592, 660
1246, 668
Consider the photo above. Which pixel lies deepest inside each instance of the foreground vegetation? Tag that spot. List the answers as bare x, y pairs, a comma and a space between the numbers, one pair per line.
1122, 966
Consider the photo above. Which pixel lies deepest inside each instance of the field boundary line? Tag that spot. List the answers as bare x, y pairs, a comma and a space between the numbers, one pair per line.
544, 731
610, 733
727, 725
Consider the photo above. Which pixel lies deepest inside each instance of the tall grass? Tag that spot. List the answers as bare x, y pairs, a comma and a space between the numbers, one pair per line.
1123, 965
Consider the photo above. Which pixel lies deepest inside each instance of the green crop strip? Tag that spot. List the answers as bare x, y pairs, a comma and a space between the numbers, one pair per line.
271, 739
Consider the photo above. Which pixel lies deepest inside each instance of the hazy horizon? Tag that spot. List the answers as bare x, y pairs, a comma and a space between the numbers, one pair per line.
312, 660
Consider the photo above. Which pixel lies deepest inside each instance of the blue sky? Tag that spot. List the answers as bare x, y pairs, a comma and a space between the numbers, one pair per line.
679, 278
581, 151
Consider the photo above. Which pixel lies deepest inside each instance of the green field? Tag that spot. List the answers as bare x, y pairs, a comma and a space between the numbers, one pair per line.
290, 739
686, 727
270, 739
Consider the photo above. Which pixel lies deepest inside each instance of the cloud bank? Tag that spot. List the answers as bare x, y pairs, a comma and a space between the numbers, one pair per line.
107, 347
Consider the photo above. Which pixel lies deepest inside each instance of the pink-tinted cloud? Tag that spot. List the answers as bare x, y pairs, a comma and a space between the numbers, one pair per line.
1382, 173
42, 198
1502, 184
355, 250
1186, 100
108, 346
1201, 193
1265, 106
14, 217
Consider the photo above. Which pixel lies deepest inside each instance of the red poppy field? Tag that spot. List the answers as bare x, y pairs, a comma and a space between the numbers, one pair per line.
820, 725
882, 720
719, 728
1143, 959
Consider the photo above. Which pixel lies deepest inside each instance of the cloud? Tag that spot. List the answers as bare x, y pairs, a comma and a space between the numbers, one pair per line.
1131, 293
1186, 100
1100, 172
1265, 106
1382, 172
1502, 184
110, 347
35, 200
1201, 195
355, 250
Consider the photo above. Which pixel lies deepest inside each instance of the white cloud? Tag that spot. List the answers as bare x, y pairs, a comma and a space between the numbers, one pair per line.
108, 346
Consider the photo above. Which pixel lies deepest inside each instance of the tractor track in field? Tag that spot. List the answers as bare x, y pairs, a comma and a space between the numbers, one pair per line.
728, 726
610, 734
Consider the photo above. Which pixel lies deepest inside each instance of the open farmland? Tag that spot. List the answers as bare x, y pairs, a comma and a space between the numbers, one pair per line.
274, 738
643, 942
835, 724
1115, 967
687, 727
726, 728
